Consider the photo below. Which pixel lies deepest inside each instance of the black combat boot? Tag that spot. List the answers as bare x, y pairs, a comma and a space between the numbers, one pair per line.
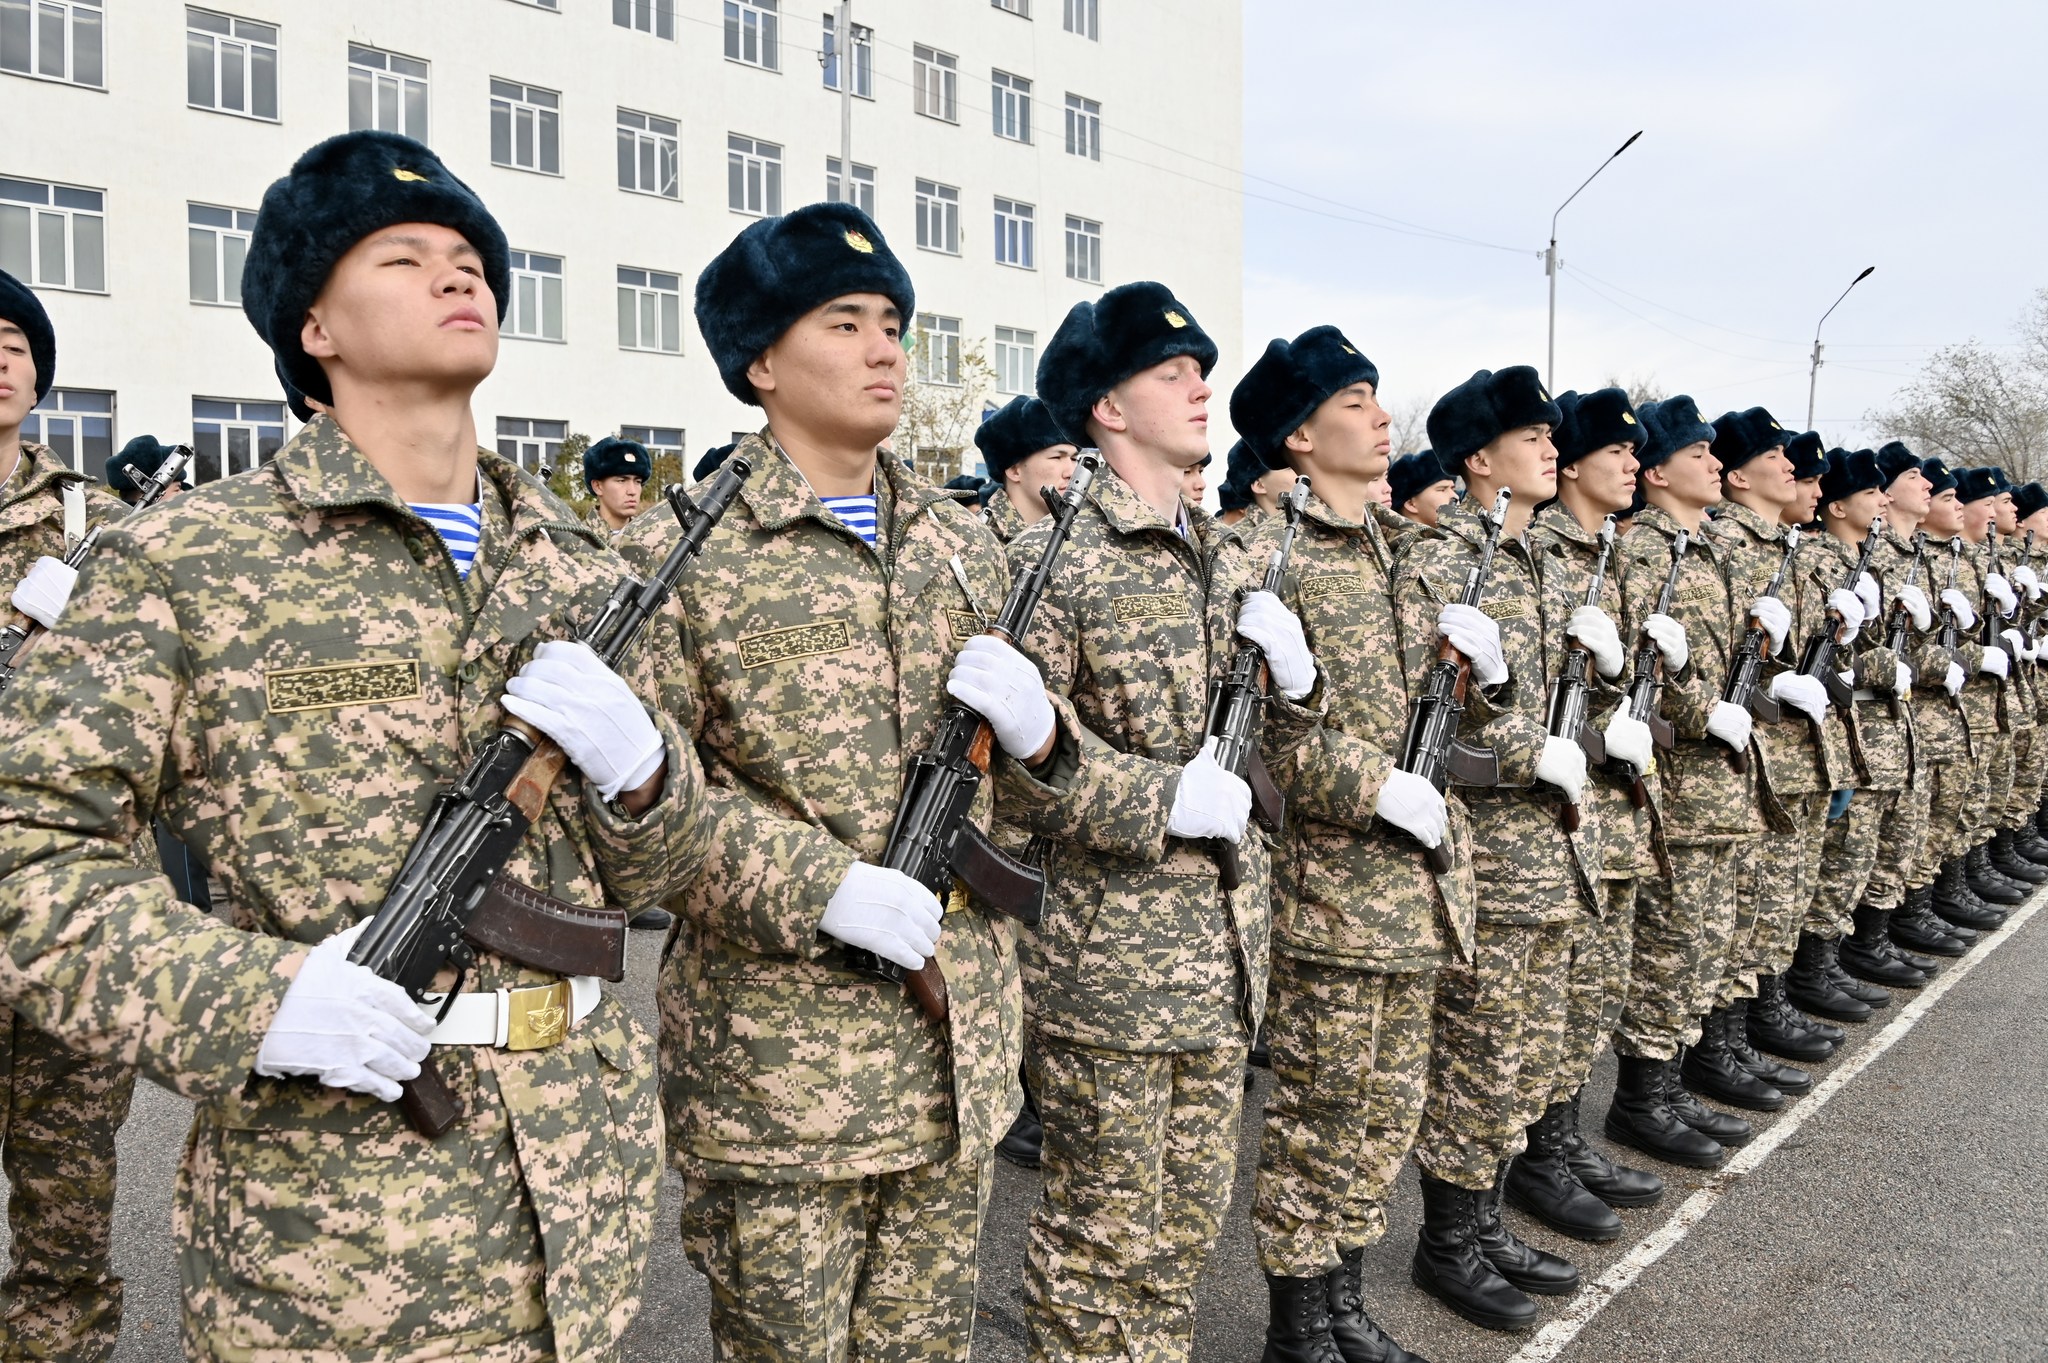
1358, 1339
1985, 881
1826, 1031
1926, 965
1449, 1266
1954, 900
1641, 1118
1786, 1079
1260, 1056
1809, 987
1857, 989
1298, 1321
2041, 820
1862, 953
1916, 928
2011, 864
1521, 1263
1711, 1068
1540, 1182
1773, 1026
1615, 1184
1724, 1127
1025, 1140
2028, 842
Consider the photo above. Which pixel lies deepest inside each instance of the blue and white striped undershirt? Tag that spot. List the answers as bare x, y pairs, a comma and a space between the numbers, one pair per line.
460, 528
856, 513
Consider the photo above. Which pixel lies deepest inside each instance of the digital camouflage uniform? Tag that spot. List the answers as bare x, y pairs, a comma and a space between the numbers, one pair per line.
1903, 842
1685, 920
1147, 979
2029, 749
1500, 1014
286, 669
1992, 705
835, 1143
1943, 748
1001, 517
1360, 925
63, 1109
1598, 979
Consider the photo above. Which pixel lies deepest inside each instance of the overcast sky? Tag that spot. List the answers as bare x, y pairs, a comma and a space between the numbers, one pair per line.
1784, 148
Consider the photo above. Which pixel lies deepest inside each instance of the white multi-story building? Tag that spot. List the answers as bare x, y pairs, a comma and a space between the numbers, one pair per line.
1019, 155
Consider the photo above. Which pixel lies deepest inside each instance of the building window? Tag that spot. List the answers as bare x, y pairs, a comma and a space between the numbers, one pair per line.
649, 16
532, 444
1021, 8
935, 76
387, 92
938, 217
863, 58
938, 349
230, 64
231, 437
526, 127
217, 240
1016, 360
1009, 99
648, 155
1014, 235
555, 5
536, 311
650, 311
54, 236
1084, 127
78, 425
753, 176
750, 27
1084, 250
863, 185
53, 40
1080, 18
659, 440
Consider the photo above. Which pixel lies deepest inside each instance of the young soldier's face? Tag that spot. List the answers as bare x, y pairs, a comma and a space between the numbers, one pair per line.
1164, 409
1382, 491
1523, 461
1805, 499
1857, 512
17, 377
1769, 476
406, 304
1944, 514
2038, 523
1349, 432
2005, 513
1607, 476
1977, 518
619, 494
1269, 487
1693, 475
1425, 506
1909, 493
1051, 467
837, 370
1194, 483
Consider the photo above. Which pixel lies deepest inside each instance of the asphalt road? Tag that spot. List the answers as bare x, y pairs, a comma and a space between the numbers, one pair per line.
1905, 1220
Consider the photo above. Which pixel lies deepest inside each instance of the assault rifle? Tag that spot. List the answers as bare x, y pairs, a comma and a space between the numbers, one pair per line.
1740, 688
1817, 660
1431, 748
1899, 633
1647, 678
450, 896
21, 635
1574, 676
933, 841
1988, 633
2027, 626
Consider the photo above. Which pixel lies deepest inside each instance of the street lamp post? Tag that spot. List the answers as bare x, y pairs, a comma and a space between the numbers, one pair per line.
1813, 375
1550, 261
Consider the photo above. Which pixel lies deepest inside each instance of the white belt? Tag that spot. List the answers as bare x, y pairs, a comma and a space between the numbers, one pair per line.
516, 1019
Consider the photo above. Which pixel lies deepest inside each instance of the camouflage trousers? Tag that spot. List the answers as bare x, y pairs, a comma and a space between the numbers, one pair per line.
1942, 767
1846, 861
875, 1268
1498, 1033
1780, 882
2029, 765
1899, 838
1683, 928
61, 1297
1596, 984
1140, 1153
1350, 1068
1986, 804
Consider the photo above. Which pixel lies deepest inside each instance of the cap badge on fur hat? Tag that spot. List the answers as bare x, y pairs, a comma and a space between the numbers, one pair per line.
859, 242
1175, 320
401, 173
630, 457
1541, 394
1349, 351
1629, 418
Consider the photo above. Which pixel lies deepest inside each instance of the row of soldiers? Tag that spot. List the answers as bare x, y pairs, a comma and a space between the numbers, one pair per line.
285, 668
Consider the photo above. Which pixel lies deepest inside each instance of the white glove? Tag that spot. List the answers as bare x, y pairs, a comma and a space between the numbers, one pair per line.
1412, 805
1563, 764
2024, 575
883, 911
1211, 802
1915, 602
1265, 620
1730, 724
1473, 633
568, 694
1002, 686
2015, 643
1775, 616
1994, 661
1802, 693
1671, 642
1953, 681
1850, 607
1591, 627
1866, 592
1999, 590
1628, 740
42, 595
1960, 604
345, 1026
1902, 680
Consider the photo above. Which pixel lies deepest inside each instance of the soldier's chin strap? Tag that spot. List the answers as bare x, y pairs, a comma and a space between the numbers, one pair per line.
74, 515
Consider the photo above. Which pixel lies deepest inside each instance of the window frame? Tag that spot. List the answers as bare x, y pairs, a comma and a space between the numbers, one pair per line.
71, 215
926, 62
74, 13
521, 267
657, 11
743, 160
1020, 8
53, 408
1082, 18
1016, 233
863, 187
936, 340
1016, 346
758, 22
251, 87
221, 233
546, 130
1089, 232
548, 444
863, 58
649, 288
932, 197
273, 421
645, 134
1009, 102
1084, 115
377, 76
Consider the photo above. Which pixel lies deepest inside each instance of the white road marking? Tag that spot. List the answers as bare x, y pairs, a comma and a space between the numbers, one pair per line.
1554, 1338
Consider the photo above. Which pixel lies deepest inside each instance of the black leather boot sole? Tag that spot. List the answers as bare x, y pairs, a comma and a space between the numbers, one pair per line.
1024, 1142
1772, 1027
1424, 1276
1916, 934
1863, 954
1864, 992
1724, 1127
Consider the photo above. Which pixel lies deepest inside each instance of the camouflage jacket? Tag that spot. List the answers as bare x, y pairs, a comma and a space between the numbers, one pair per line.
1615, 834
1527, 870
813, 667
1001, 517
285, 668
1881, 744
1702, 797
1891, 566
1348, 888
32, 513
1141, 950
1984, 696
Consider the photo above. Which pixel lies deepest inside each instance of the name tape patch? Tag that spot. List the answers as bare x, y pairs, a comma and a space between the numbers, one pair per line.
794, 641
1152, 606
1316, 586
339, 684
966, 624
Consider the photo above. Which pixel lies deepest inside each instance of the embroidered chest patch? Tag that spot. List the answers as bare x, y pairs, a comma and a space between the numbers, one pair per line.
1317, 586
965, 625
1151, 606
339, 684
794, 641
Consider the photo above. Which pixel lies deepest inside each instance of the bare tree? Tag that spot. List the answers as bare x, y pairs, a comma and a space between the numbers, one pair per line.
1972, 405
940, 412
566, 481
1641, 388
1410, 428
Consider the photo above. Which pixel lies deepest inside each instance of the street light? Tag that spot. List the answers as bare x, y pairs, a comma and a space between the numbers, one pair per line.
1813, 376
1550, 260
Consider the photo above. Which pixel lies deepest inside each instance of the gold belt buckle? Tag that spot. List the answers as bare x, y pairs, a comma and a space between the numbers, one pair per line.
956, 900
540, 1016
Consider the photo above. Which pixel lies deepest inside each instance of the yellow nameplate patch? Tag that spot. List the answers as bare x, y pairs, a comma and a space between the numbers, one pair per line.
1152, 606
1319, 585
795, 641
1508, 610
966, 624
1706, 592
338, 684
